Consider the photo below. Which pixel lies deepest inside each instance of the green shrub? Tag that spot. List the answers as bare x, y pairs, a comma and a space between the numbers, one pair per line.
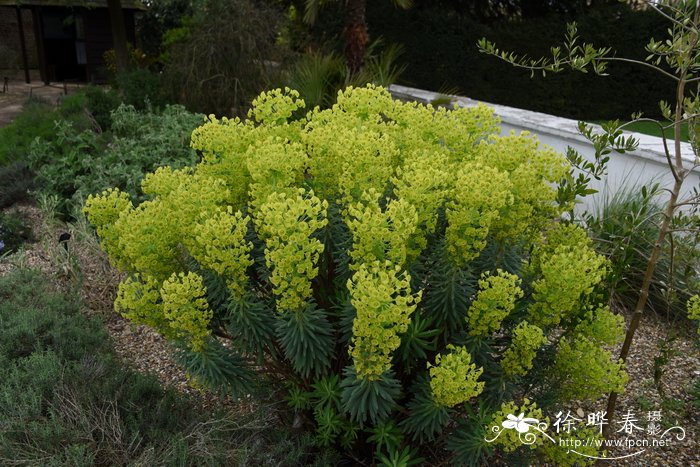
140, 88
101, 102
37, 120
318, 77
34, 319
400, 268
625, 227
75, 163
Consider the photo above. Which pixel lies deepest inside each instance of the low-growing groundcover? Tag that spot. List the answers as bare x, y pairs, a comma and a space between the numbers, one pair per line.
66, 401
402, 269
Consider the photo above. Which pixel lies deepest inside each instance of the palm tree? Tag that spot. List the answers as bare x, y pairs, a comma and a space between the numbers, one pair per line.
355, 32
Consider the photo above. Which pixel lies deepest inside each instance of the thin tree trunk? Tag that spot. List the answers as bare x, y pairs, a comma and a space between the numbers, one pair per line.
355, 34
116, 16
644, 294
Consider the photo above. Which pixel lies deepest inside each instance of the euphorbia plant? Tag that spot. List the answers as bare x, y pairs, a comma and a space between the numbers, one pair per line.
402, 269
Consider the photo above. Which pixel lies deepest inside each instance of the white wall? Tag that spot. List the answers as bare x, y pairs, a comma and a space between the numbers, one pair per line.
648, 163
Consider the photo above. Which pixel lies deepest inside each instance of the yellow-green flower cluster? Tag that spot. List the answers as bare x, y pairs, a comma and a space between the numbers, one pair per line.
103, 211
186, 309
138, 300
480, 193
517, 359
275, 165
587, 369
276, 106
165, 180
152, 234
347, 160
457, 130
423, 182
602, 326
381, 295
493, 303
380, 235
510, 439
150, 238
286, 224
223, 144
363, 103
568, 275
532, 173
558, 235
453, 378
694, 308
222, 247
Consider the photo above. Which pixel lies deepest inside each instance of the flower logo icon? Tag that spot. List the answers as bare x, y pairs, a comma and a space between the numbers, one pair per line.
521, 423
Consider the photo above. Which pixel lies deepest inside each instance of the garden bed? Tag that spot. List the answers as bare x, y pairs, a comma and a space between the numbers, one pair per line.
148, 352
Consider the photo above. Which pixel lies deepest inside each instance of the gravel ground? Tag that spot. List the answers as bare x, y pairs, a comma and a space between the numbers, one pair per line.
146, 351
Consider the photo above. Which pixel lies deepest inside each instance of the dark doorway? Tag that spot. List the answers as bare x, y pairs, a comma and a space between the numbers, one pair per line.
64, 44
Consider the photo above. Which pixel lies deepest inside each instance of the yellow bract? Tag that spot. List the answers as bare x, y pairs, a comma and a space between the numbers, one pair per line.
185, 308
510, 439
517, 359
424, 182
380, 235
222, 247
381, 295
286, 224
138, 300
568, 274
494, 302
480, 193
531, 173
453, 379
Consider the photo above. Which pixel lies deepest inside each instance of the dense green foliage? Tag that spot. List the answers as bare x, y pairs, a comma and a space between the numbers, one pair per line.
66, 400
441, 55
399, 267
74, 163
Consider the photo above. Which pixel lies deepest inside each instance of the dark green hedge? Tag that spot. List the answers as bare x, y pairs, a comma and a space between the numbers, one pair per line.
441, 53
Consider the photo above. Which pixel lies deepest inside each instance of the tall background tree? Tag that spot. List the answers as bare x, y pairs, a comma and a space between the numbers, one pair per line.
355, 33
